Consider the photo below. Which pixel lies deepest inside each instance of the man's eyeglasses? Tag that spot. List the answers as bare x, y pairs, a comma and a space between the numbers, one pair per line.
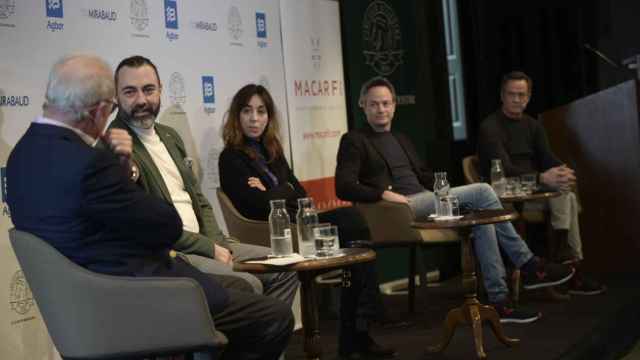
114, 105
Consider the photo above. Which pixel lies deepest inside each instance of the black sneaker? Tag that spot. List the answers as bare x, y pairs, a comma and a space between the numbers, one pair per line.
586, 286
546, 275
509, 314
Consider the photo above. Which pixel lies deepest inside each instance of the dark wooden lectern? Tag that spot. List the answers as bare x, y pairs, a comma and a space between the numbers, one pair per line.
599, 136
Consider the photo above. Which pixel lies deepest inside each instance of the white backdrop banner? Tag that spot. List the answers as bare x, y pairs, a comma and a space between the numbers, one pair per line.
315, 93
205, 51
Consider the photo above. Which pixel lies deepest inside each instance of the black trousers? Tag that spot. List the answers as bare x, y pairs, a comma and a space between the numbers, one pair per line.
360, 301
257, 326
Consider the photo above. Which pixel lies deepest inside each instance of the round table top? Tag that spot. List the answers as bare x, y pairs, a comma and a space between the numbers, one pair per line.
351, 256
530, 197
477, 217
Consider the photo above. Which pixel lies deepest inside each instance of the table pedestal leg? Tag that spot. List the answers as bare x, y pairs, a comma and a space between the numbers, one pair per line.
309, 304
472, 311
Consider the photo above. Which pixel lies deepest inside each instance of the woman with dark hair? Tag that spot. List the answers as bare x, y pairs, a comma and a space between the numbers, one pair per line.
253, 171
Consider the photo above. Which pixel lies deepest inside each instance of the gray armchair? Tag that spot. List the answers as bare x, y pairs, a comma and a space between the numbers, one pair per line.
390, 226
97, 316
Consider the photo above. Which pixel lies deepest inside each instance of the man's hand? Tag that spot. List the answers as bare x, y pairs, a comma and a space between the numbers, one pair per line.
559, 177
119, 141
394, 197
222, 254
256, 183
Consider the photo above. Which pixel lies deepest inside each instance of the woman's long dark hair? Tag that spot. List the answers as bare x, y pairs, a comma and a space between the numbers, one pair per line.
232, 134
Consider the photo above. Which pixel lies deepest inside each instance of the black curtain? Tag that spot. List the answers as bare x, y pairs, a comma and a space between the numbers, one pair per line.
543, 38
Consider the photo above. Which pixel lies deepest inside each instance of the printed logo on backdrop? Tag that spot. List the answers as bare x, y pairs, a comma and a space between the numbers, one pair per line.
318, 87
264, 81
209, 94
139, 16
177, 91
3, 191
205, 26
7, 9
382, 38
14, 100
54, 10
171, 19
108, 15
234, 26
20, 296
316, 55
261, 29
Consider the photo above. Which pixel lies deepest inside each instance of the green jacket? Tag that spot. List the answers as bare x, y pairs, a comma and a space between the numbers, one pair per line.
151, 181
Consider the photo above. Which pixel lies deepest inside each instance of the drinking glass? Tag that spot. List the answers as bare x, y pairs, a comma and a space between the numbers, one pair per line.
326, 237
528, 183
513, 187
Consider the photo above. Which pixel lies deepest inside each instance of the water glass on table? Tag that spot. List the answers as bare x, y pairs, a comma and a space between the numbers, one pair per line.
448, 206
513, 187
326, 238
528, 183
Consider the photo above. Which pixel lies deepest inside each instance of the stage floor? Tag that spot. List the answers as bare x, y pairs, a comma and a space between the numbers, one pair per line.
599, 327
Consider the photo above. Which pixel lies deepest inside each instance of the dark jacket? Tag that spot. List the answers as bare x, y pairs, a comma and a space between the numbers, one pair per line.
80, 200
530, 152
236, 167
363, 174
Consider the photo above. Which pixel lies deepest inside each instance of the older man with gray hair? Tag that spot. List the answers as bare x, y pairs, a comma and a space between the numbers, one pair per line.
79, 198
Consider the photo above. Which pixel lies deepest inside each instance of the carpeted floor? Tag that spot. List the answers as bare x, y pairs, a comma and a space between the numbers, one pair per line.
586, 327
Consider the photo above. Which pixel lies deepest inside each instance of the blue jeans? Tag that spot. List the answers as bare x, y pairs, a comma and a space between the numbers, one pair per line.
488, 239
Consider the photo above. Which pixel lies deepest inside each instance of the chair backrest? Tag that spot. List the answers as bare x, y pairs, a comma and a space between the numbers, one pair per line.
248, 231
91, 315
470, 167
389, 223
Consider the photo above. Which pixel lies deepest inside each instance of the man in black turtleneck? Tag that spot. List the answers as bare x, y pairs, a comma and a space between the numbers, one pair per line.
520, 142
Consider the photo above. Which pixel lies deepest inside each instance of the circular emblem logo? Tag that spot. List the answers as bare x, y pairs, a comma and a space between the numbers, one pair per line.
7, 8
235, 23
264, 81
382, 38
20, 296
176, 89
139, 14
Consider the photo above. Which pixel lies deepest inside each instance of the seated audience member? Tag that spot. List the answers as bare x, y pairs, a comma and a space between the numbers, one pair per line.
160, 156
253, 171
80, 199
520, 142
375, 163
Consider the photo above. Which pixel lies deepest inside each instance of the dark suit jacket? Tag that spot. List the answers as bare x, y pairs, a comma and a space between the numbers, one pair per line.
363, 174
151, 181
236, 167
79, 199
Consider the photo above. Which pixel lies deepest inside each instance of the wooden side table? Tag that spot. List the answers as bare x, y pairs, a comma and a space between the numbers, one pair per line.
307, 271
471, 311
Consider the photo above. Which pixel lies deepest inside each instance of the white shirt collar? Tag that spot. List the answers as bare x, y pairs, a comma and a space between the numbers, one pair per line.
86, 138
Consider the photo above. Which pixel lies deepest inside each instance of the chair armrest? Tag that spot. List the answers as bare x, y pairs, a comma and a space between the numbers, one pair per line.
389, 222
141, 315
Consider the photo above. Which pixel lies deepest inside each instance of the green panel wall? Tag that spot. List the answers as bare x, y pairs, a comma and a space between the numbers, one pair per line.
403, 41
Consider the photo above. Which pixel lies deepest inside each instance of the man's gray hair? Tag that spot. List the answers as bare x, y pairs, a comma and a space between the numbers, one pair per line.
375, 82
77, 82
